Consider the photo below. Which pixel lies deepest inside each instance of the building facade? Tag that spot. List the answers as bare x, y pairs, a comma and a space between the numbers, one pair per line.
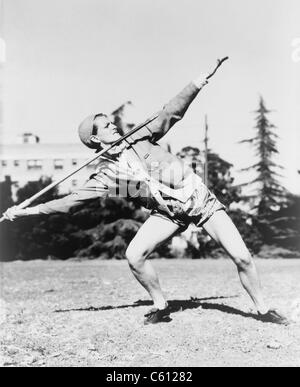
29, 160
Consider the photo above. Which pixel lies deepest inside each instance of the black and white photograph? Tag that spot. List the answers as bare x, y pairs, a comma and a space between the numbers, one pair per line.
149, 186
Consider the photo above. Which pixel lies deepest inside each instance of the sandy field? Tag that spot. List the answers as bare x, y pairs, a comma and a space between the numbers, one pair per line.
90, 313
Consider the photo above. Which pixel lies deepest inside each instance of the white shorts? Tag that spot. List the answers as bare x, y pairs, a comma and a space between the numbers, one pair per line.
201, 206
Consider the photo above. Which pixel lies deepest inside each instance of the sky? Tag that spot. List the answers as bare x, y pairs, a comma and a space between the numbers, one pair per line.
66, 59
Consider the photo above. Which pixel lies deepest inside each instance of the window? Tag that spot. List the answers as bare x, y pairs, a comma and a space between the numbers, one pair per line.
58, 164
4, 163
34, 164
74, 162
30, 164
16, 163
74, 183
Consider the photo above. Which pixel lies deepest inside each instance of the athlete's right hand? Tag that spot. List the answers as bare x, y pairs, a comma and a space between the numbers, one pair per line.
14, 213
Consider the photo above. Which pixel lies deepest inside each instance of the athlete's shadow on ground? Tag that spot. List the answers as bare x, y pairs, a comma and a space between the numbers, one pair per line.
175, 306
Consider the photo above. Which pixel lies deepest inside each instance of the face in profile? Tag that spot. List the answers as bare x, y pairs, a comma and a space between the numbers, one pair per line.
107, 132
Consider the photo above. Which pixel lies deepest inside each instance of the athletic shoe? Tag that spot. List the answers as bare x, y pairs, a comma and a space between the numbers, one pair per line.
273, 316
156, 315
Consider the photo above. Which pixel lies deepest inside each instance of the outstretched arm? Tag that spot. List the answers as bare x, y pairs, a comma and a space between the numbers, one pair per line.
92, 189
176, 108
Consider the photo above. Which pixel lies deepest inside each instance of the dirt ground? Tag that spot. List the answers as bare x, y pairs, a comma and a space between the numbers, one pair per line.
91, 314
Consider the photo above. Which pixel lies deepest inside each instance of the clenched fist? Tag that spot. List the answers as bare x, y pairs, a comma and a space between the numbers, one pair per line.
14, 213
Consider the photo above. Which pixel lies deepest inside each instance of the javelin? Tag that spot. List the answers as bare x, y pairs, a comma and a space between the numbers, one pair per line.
29, 201
219, 63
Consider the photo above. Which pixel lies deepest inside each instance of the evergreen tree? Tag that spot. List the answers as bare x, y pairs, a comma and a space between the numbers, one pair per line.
268, 189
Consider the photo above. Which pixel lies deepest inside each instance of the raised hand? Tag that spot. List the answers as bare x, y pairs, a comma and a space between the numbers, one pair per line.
202, 80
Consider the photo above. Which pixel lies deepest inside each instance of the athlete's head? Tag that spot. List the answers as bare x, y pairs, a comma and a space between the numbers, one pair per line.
97, 130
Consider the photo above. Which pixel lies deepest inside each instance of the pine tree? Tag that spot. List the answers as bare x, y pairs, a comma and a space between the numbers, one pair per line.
269, 191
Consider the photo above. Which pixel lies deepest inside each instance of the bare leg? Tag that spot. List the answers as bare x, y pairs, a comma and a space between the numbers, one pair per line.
152, 233
221, 228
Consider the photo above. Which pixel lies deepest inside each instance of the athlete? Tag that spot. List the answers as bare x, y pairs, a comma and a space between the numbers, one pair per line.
141, 169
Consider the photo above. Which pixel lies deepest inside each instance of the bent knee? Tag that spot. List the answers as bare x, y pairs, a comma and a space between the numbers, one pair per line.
244, 260
135, 257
